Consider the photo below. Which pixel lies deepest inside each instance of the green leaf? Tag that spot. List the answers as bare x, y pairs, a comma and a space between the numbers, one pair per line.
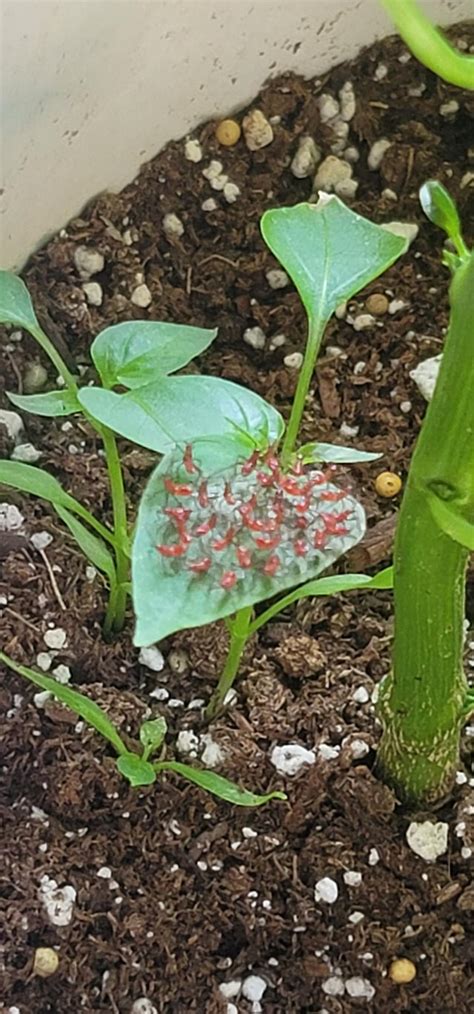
53, 403
178, 409
15, 303
326, 586
440, 208
218, 785
31, 479
152, 735
167, 599
451, 521
335, 454
136, 770
329, 251
88, 710
92, 547
135, 352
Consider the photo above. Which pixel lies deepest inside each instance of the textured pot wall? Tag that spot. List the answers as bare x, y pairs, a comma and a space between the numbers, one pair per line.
93, 88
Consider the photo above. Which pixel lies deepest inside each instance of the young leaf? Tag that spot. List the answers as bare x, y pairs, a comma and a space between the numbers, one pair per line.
136, 770
88, 710
178, 409
440, 208
152, 735
137, 351
30, 479
52, 403
326, 586
15, 303
335, 454
230, 551
311, 241
218, 785
92, 547
451, 522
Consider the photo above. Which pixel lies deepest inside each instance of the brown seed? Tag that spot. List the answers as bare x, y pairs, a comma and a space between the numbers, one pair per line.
228, 133
402, 970
377, 304
388, 484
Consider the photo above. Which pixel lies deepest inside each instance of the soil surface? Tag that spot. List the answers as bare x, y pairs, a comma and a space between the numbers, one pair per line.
177, 893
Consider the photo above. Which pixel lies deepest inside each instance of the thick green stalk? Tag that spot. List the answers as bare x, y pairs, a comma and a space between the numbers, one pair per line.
115, 615
423, 703
429, 45
315, 333
238, 639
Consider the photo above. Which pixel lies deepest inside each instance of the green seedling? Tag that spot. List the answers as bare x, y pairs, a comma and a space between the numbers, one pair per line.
137, 766
426, 700
156, 411
429, 45
233, 520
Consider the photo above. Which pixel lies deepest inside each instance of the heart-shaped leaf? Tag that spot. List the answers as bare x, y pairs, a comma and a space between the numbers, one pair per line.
137, 351
152, 735
218, 785
178, 409
329, 251
52, 403
335, 453
15, 303
136, 770
210, 543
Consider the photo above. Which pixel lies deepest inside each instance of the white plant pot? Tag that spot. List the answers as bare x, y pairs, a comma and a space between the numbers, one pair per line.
93, 88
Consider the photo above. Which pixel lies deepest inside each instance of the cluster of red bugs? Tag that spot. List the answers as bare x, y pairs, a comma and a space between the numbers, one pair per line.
260, 520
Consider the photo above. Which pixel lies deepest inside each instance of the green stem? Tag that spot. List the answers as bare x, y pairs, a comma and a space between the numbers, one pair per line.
55, 357
238, 639
429, 45
315, 332
115, 616
422, 704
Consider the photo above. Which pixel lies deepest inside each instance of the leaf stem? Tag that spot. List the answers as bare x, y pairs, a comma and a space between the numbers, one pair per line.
316, 328
240, 633
115, 616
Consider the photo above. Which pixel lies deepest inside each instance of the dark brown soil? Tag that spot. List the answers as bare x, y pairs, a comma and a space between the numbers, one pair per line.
194, 899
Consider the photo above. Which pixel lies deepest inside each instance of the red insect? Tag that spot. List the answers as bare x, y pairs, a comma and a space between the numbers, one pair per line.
179, 514
200, 566
203, 498
271, 543
228, 494
188, 460
292, 487
244, 557
272, 461
300, 547
250, 464
265, 479
320, 540
272, 565
173, 552
246, 509
177, 488
298, 468
228, 579
226, 540
333, 496
206, 526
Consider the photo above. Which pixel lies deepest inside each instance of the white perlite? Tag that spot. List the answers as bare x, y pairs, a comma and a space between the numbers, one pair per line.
213, 754
26, 453
253, 988
187, 742
326, 890
213, 169
143, 1006
327, 752
425, 376
255, 337
428, 839
331, 172
407, 230
306, 158
346, 189
352, 878
10, 518
210, 204
193, 150
55, 638
363, 321
359, 988
374, 857
141, 296
258, 132
231, 192
347, 101
448, 109
62, 674
328, 107
13, 424
58, 901
361, 695
151, 658
93, 293
334, 986
173, 225
40, 540
377, 152
294, 360
231, 988
88, 261
276, 278
291, 758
